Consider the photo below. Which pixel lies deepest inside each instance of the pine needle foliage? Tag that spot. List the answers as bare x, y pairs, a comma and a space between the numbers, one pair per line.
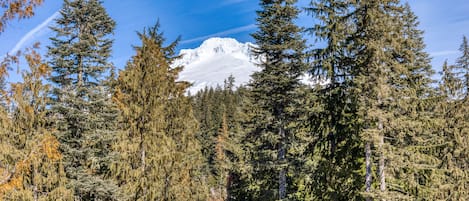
220, 114
34, 168
453, 110
337, 146
272, 136
160, 157
82, 111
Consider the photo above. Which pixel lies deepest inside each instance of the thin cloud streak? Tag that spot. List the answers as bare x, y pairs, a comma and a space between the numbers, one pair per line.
229, 2
32, 34
223, 33
444, 53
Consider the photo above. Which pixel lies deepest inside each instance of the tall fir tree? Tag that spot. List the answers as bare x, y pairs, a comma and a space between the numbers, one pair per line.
453, 109
412, 134
271, 139
337, 174
160, 155
462, 67
81, 107
363, 40
392, 79
374, 41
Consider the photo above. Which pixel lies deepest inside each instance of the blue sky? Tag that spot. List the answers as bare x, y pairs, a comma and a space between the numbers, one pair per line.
444, 23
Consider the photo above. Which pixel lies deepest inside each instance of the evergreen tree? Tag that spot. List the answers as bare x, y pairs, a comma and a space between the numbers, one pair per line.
219, 112
160, 156
412, 134
337, 145
374, 56
81, 106
222, 163
392, 79
208, 109
374, 44
36, 169
462, 67
449, 84
453, 109
271, 139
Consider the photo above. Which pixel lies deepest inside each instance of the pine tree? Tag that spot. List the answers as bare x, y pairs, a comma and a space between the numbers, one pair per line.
396, 101
271, 139
219, 112
37, 171
374, 55
374, 42
160, 156
82, 109
222, 163
413, 135
337, 156
453, 109
449, 84
462, 67
208, 109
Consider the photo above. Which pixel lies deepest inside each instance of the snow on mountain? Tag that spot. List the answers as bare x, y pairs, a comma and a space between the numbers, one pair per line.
214, 61
218, 58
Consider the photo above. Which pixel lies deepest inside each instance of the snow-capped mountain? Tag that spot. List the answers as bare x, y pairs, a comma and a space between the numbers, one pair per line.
218, 58
214, 61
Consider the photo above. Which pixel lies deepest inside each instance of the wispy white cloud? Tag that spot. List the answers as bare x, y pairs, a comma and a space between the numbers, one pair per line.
229, 2
33, 33
222, 33
443, 53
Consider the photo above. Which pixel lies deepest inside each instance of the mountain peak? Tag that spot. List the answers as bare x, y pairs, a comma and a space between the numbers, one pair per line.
213, 47
214, 61
218, 58
222, 45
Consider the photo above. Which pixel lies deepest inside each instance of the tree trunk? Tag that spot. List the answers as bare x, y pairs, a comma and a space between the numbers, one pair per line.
282, 180
80, 61
80, 73
382, 176
368, 169
143, 155
35, 190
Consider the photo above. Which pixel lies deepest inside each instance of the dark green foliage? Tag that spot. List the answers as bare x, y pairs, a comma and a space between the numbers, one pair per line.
219, 113
81, 108
272, 131
337, 148
379, 96
375, 41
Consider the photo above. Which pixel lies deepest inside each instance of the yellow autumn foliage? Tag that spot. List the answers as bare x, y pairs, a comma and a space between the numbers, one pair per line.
16, 9
50, 146
48, 149
30, 160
